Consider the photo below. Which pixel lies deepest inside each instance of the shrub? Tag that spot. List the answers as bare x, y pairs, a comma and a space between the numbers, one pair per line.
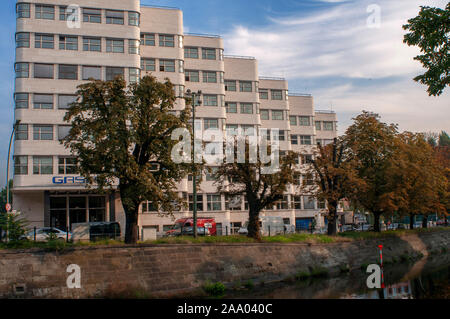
215, 290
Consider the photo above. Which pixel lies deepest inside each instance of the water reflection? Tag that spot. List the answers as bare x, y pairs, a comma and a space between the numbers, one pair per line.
403, 281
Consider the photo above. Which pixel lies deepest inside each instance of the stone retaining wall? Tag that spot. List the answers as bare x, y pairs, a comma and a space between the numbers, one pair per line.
174, 270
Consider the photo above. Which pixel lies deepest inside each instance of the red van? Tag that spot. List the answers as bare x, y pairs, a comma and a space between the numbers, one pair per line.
184, 227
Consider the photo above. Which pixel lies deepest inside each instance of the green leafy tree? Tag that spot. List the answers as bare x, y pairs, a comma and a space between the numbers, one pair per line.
121, 137
371, 146
444, 139
260, 190
15, 224
430, 32
3, 197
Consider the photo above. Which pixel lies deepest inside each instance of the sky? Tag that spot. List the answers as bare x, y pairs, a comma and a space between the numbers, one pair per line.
349, 54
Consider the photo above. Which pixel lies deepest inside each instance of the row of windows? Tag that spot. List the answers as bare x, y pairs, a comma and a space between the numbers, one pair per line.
43, 165
276, 95
207, 53
165, 65
214, 203
206, 76
245, 108
277, 115
71, 72
48, 12
165, 40
244, 86
41, 132
43, 101
324, 125
71, 43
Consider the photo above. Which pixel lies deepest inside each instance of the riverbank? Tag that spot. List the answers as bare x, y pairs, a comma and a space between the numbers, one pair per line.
173, 270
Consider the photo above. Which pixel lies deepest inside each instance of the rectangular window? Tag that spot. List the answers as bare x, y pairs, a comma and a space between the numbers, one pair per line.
42, 101
305, 140
92, 44
208, 54
21, 100
22, 40
43, 71
297, 203
293, 120
264, 94
134, 18
113, 72
328, 126
148, 39
42, 132
283, 204
134, 75
277, 115
115, 46
230, 86
294, 139
214, 203
199, 203
210, 100
318, 125
148, 65
20, 165
68, 72
308, 180
42, 165
307, 159
22, 132
265, 115
167, 65
209, 77
191, 53
133, 46
63, 131
114, 17
44, 12
281, 135
92, 73
23, 10
246, 108
210, 124
166, 41
64, 101
22, 70
245, 86
277, 94
67, 165
63, 13
304, 121
231, 107
192, 76
92, 15
68, 43
44, 41
308, 202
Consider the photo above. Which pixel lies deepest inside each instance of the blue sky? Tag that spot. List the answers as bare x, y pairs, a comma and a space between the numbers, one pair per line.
323, 47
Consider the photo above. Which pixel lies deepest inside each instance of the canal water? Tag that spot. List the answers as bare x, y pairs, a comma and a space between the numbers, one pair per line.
428, 278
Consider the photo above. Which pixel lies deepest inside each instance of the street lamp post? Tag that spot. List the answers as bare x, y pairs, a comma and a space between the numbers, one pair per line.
194, 95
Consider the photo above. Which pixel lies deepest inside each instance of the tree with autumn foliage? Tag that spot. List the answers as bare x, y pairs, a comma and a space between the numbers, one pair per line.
247, 178
419, 178
334, 179
121, 137
371, 145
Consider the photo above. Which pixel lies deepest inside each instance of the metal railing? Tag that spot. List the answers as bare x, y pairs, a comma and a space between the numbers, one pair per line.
239, 57
159, 7
300, 94
204, 35
272, 78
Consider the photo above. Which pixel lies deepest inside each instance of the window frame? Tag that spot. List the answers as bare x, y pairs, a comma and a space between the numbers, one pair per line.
41, 134
112, 45
87, 43
22, 132
246, 86
188, 53
66, 42
25, 40
244, 108
37, 163
144, 40
227, 86
40, 42
43, 105
164, 68
92, 16
91, 67
207, 54
166, 40
145, 66
43, 77
116, 17
20, 11
21, 167
42, 13
21, 101
209, 76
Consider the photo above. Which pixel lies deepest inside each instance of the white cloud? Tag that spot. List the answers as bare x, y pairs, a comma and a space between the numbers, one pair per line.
335, 43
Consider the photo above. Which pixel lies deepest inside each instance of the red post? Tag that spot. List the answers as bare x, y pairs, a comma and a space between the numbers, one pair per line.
382, 270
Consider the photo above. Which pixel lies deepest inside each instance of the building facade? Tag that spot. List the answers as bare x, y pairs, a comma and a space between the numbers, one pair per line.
55, 54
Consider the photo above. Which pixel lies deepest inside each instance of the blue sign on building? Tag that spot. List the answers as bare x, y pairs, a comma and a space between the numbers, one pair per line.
59, 180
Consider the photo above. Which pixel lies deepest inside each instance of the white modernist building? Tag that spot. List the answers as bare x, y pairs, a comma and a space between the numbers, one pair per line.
121, 37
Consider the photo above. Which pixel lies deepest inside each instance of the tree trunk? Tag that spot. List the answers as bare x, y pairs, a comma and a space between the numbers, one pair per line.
425, 222
411, 221
332, 219
253, 224
376, 223
131, 228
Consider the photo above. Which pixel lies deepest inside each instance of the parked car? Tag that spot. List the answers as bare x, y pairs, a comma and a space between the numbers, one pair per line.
46, 233
185, 227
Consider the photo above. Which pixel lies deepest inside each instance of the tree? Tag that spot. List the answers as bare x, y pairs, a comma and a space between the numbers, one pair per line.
430, 32
444, 139
371, 146
121, 137
419, 178
334, 178
261, 190
3, 197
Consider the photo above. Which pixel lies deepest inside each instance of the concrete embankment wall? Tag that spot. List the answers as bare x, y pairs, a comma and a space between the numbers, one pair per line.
167, 270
